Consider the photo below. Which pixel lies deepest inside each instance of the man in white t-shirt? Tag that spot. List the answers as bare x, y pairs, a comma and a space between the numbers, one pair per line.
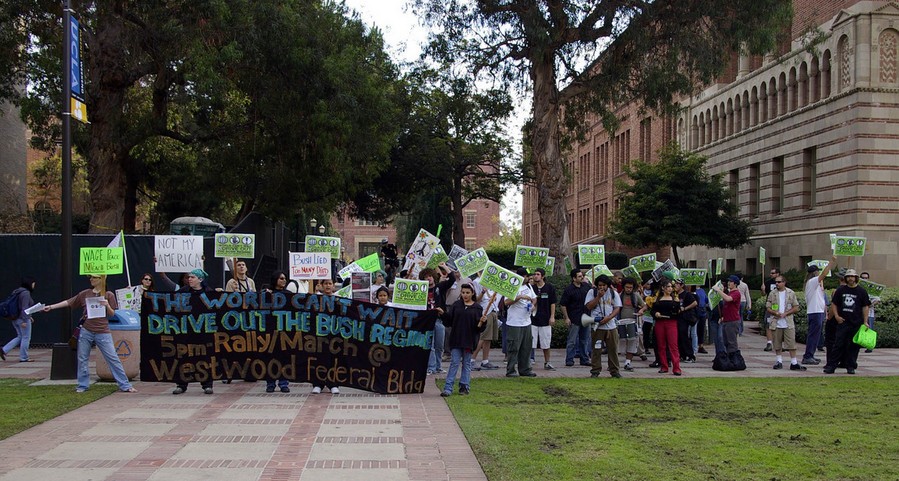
815, 308
491, 332
518, 329
604, 304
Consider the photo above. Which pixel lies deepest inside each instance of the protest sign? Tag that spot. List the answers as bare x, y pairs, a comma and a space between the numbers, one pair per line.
659, 271
597, 271
178, 253
361, 284
306, 266
849, 246
315, 243
693, 277
95, 307
500, 280
235, 245
719, 267
591, 255
646, 262
714, 297
370, 263
345, 292
822, 264
762, 255
711, 268
101, 260
438, 257
833, 241
550, 264
129, 298
874, 289
410, 294
472, 263
346, 271
454, 254
420, 252
299, 337
528, 256
631, 272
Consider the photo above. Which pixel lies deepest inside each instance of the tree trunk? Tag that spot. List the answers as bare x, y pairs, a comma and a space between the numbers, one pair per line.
458, 216
550, 173
676, 257
105, 160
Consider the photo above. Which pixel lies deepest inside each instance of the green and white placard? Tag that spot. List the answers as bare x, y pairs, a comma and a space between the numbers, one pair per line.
235, 245
503, 281
101, 260
761, 255
473, 262
315, 243
529, 256
693, 277
849, 246
631, 271
438, 257
410, 294
874, 289
719, 267
644, 263
591, 254
821, 265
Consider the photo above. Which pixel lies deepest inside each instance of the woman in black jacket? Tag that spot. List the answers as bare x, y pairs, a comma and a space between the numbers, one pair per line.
466, 320
665, 310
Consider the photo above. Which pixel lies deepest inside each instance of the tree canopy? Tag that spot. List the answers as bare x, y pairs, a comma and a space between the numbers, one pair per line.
585, 57
676, 202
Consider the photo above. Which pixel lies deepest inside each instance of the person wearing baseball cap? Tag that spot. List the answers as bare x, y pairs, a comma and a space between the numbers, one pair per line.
816, 306
849, 308
730, 313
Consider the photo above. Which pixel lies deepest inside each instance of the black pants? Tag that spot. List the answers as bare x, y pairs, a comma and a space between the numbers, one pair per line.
203, 384
830, 332
684, 345
845, 352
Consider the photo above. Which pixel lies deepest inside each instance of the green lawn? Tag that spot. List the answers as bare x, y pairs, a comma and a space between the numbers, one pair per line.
25, 406
683, 429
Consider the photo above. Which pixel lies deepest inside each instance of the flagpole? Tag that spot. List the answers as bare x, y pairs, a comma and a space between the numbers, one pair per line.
125, 255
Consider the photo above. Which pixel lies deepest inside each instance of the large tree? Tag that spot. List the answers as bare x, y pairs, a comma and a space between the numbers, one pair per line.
675, 202
585, 57
210, 105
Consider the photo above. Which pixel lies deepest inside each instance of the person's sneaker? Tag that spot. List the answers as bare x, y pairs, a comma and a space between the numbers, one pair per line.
702, 350
269, 388
530, 374
644, 358
655, 364
335, 390
439, 371
586, 364
446, 394
616, 375
317, 390
430, 372
285, 389
489, 366
475, 366
810, 361
226, 381
769, 347
207, 390
828, 370
548, 366
797, 367
868, 351
178, 390
594, 375
850, 371
569, 364
628, 367
463, 390
778, 365
81, 390
2, 355
511, 374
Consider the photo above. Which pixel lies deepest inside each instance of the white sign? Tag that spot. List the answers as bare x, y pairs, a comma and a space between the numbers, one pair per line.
345, 273
306, 266
178, 253
420, 252
95, 309
129, 298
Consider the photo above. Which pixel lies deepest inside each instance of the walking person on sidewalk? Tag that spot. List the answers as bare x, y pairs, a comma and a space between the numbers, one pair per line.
22, 322
464, 319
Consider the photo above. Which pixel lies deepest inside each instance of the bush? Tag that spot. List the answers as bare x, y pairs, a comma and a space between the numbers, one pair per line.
616, 260
505, 257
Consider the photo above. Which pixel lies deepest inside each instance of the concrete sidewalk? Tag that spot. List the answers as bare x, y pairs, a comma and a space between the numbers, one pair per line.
243, 433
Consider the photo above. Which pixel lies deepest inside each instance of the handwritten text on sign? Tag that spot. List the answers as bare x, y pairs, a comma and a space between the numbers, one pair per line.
101, 260
300, 337
310, 265
178, 253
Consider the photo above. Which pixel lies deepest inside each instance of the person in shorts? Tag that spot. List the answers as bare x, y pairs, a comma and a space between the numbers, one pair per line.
781, 305
544, 315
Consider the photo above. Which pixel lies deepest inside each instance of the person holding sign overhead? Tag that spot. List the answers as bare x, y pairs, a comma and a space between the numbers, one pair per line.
196, 284
98, 304
240, 282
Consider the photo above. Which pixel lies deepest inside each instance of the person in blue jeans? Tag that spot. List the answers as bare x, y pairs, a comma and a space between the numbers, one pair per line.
95, 332
816, 308
572, 304
22, 322
464, 319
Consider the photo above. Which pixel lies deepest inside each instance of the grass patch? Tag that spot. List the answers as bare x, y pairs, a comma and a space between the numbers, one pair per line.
683, 429
25, 406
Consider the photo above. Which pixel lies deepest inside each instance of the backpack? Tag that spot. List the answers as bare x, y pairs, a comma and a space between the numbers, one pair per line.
9, 308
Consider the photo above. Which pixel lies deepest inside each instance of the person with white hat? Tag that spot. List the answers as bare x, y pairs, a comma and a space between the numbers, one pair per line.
849, 307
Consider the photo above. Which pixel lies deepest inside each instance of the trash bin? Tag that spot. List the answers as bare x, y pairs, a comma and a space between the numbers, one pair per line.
125, 327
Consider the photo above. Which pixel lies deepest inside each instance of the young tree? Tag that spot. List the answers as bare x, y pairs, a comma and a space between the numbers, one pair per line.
675, 202
591, 56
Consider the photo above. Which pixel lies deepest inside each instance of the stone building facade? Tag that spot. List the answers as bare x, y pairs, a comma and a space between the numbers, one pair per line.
807, 140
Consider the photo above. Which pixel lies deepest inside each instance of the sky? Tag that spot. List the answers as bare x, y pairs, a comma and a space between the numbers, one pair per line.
404, 37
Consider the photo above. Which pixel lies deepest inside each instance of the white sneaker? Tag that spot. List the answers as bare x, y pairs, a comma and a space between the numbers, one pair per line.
335, 390
316, 390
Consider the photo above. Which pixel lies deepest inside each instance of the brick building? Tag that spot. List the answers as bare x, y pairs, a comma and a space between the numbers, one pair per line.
807, 142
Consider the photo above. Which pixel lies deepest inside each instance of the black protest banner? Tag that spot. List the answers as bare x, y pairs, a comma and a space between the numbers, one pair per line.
327, 340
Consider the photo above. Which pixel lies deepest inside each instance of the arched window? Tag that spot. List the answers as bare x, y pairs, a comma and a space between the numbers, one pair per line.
701, 129
694, 133
782, 95
802, 101
845, 55
887, 42
730, 117
826, 80
792, 91
722, 124
714, 135
754, 107
772, 99
738, 114
814, 81
763, 103
745, 110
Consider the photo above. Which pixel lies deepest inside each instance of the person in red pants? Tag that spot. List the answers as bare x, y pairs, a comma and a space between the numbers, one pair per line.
665, 310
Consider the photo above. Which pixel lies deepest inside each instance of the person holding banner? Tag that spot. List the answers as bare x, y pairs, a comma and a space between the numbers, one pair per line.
632, 308
95, 332
518, 329
490, 302
327, 289
146, 283
815, 307
781, 305
196, 284
278, 283
464, 319
603, 303
665, 309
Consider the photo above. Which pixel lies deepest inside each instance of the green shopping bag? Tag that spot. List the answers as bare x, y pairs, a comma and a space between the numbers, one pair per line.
866, 338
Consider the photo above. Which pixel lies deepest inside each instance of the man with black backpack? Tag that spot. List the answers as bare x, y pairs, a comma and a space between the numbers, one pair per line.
13, 309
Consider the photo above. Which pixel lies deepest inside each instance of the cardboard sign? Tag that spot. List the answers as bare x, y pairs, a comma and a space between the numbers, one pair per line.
344, 273
316, 243
833, 241
235, 245
822, 264
129, 298
306, 266
693, 277
438, 257
714, 297
849, 246
410, 294
178, 253
420, 252
370, 263
874, 289
503, 281
550, 265
361, 284
762, 255
591, 255
719, 268
644, 263
298, 337
631, 272
597, 271
527, 256
472, 263
95, 308
455, 254
101, 260
660, 270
